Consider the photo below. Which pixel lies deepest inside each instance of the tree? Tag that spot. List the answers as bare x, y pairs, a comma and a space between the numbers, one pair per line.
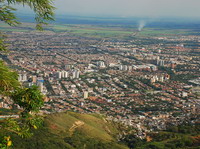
30, 99
42, 8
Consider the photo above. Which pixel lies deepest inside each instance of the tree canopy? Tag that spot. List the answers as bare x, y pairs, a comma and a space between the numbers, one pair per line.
30, 100
43, 9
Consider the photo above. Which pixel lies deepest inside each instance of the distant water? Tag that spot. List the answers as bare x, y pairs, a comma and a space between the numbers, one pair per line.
159, 22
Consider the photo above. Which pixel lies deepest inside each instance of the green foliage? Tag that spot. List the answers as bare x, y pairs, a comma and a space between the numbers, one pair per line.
43, 9
28, 98
7, 16
3, 46
176, 137
185, 129
6, 142
55, 133
79, 142
14, 126
132, 141
92, 125
8, 79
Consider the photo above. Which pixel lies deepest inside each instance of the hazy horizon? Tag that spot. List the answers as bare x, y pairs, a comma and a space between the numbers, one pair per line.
126, 8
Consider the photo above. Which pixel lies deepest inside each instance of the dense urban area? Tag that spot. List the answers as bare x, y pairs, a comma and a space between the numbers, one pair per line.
147, 82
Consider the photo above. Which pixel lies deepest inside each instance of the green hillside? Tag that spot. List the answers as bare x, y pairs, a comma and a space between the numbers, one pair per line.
185, 136
72, 130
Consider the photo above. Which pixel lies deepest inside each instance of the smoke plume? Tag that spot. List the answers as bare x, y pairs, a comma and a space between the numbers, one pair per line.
141, 25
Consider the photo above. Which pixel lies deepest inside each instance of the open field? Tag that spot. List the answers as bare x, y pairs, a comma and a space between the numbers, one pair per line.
100, 31
161, 32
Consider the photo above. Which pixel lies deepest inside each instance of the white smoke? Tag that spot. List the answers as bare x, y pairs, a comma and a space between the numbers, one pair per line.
142, 24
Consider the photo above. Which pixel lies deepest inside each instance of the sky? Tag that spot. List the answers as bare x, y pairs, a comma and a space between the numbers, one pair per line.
129, 8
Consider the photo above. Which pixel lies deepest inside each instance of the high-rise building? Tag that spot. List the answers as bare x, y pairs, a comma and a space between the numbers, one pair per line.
184, 94
160, 62
20, 77
59, 75
120, 67
134, 51
161, 78
40, 79
64, 74
1, 105
123, 67
85, 95
30, 84
34, 79
41, 87
130, 68
24, 77
101, 64
75, 74
68, 66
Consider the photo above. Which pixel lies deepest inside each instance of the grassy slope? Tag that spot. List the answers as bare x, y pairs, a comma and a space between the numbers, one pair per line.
95, 133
